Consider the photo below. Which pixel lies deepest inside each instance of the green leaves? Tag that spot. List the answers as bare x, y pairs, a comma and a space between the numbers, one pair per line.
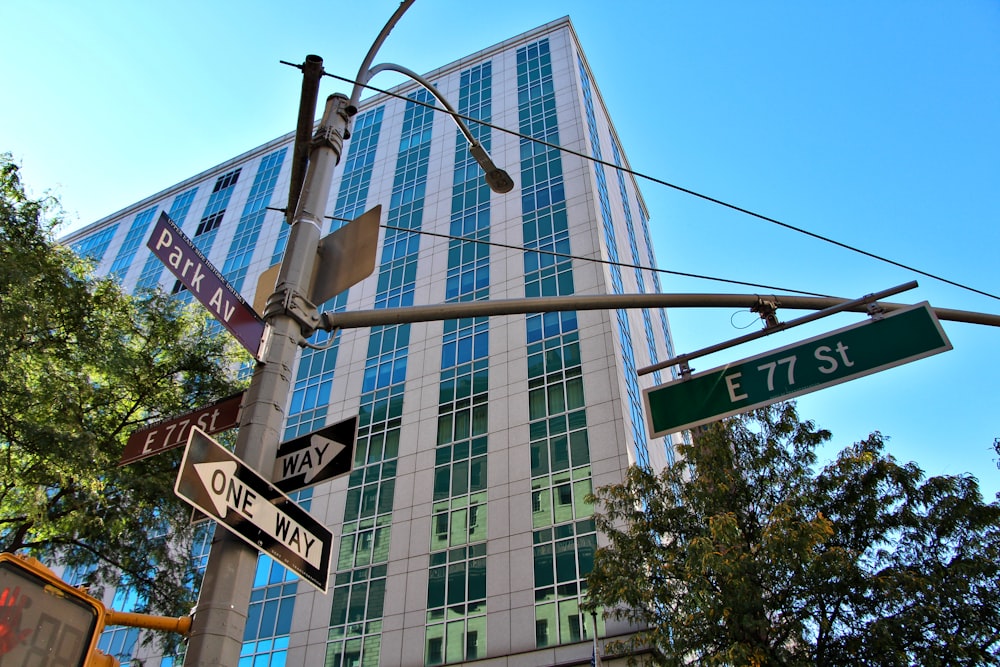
82, 365
756, 557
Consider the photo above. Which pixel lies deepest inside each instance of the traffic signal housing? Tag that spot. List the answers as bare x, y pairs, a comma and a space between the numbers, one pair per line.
43, 620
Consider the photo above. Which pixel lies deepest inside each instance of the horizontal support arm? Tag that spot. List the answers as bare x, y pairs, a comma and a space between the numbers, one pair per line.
181, 624
451, 311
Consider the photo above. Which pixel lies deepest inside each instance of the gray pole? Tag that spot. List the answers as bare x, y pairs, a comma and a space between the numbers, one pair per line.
220, 617
312, 72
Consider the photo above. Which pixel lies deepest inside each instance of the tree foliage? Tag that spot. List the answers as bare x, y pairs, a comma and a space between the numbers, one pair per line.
749, 556
82, 366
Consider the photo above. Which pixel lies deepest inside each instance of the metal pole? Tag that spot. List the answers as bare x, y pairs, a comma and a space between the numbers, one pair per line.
181, 624
220, 617
450, 311
683, 359
312, 72
364, 73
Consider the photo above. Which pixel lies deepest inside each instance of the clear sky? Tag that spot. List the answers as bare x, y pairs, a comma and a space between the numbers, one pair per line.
873, 123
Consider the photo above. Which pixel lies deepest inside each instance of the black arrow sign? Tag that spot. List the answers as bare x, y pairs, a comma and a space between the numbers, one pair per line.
317, 457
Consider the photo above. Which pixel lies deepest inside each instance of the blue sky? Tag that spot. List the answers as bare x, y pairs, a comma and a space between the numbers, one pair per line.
875, 124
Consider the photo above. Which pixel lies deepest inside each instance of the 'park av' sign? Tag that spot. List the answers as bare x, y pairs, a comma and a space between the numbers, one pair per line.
195, 272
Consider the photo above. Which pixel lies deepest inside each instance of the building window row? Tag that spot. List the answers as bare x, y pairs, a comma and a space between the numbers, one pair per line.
460, 469
247, 232
316, 367
355, 631
456, 589
560, 452
136, 234
364, 542
215, 209
208, 225
456, 605
638, 425
94, 246
358, 166
563, 556
356, 622
149, 278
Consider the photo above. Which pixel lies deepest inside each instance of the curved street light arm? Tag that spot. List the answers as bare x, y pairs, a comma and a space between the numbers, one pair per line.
452, 111
498, 179
363, 72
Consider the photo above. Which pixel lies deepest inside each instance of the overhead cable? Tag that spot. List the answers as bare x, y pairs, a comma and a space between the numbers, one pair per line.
678, 188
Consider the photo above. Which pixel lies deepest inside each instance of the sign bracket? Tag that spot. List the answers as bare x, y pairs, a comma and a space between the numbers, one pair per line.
773, 326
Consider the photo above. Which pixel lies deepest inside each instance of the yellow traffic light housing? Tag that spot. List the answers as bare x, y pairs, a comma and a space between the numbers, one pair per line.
43, 620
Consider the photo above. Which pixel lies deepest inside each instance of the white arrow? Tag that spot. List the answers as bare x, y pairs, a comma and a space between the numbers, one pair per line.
230, 493
218, 477
309, 460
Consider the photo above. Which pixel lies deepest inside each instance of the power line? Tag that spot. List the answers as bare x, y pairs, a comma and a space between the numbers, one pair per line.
581, 258
679, 188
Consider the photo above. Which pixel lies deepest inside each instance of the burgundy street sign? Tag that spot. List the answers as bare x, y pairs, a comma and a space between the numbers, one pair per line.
195, 272
171, 433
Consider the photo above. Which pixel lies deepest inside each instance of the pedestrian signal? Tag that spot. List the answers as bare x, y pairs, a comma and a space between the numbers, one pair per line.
44, 621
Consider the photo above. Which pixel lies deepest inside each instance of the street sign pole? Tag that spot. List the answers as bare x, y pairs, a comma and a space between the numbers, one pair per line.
220, 616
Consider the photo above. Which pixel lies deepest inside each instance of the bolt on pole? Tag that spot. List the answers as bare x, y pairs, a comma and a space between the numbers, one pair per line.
220, 618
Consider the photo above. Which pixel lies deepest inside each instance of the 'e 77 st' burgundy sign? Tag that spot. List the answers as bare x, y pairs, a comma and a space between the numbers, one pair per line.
173, 432
195, 272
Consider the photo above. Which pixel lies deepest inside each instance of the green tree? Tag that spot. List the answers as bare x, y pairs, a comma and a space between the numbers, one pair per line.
748, 556
83, 365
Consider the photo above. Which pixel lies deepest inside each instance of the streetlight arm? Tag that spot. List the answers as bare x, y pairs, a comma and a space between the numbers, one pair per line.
353, 319
364, 74
498, 179
452, 111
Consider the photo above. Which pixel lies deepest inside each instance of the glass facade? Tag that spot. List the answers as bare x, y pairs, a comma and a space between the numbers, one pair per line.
456, 587
637, 423
314, 379
211, 219
153, 267
94, 246
564, 537
119, 641
254, 212
637, 260
360, 581
135, 236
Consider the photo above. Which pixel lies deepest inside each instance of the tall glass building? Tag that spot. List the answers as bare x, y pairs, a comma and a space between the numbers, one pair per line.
463, 534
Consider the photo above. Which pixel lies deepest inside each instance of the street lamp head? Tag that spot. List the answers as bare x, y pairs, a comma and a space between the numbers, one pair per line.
499, 181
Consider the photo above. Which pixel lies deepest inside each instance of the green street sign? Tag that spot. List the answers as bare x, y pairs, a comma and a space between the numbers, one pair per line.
855, 351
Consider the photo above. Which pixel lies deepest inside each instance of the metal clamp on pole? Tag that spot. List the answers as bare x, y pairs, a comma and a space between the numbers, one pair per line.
768, 311
876, 311
294, 305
